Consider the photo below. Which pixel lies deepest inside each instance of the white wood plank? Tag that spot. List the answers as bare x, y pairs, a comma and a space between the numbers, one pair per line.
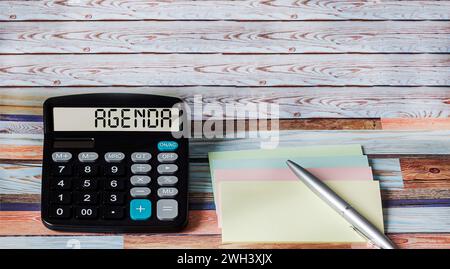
225, 70
417, 219
225, 37
61, 242
223, 10
304, 102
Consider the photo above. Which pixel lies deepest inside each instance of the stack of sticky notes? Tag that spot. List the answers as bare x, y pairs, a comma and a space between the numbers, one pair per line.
259, 199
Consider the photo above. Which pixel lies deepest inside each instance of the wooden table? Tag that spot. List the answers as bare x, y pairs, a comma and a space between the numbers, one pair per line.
370, 72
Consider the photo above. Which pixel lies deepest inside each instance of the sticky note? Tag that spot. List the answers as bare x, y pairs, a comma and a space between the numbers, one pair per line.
288, 211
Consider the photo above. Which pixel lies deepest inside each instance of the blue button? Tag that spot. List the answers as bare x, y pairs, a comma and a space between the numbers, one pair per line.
140, 209
167, 146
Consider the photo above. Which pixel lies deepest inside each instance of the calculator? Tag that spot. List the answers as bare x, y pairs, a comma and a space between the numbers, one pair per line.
114, 162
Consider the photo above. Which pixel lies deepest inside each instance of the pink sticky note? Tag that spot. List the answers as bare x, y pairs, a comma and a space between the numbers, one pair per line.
344, 173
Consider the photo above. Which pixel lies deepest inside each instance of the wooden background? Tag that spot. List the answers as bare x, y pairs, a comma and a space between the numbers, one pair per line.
369, 72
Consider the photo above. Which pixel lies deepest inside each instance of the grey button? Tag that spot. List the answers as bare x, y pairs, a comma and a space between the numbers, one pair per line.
140, 157
139, 192
114, 157
167, 209
86, 157
167, 157
167, 180
167, 192
167, 168
140, 180
61, 157
140, 168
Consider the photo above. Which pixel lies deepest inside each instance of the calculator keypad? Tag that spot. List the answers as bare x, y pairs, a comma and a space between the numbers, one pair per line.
115, 185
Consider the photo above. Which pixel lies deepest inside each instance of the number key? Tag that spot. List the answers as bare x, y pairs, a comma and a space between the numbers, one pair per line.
62, 170
86, 212
87, 198
62, 197
114, 170
87, 184
88, 170
60, 212
114, 198
114, 184
61, 184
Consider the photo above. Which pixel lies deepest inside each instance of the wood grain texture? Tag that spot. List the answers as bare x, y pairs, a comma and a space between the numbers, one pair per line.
416, 124
426, 173
416, 193
406, 241
417, 219
225, 37
225, 70
223, 10
301, 102
62, 242
29, 223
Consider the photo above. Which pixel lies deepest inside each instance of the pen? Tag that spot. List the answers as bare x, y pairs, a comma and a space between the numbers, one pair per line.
359, 223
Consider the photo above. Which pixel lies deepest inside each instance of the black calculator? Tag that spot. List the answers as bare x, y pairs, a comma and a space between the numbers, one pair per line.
115, 162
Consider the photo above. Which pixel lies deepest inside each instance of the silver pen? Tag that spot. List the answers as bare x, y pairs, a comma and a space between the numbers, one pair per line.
359, 223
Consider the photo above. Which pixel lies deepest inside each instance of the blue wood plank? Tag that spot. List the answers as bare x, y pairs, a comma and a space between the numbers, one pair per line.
14, 117
417, 219
61, 242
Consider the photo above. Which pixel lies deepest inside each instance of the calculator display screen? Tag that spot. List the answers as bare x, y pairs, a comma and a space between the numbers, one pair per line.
116, 119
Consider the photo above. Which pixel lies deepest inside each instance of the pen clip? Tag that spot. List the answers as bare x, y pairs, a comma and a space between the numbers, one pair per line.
369, 241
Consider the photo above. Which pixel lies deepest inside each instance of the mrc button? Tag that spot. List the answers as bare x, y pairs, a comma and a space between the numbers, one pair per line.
167, 145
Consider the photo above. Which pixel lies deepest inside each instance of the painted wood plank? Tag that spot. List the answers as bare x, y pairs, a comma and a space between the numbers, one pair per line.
223, 10
428, 193
403, 241
426, 173
303, 102
417, 219
225, 37
25, 177
415, 124
29, 147
225, 70
62, 242
29, 223
397, 220
158, 241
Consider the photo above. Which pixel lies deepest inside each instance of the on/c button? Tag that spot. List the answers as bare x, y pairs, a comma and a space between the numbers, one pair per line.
140, 209
167, 145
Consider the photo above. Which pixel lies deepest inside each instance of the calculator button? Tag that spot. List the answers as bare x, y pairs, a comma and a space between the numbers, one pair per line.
114, 198
61, 184
86, 212
140, 168
114, 212
141, 157
62, 170
167, 169
166, 209
88, 170
86, 198
87, 184
114, 170
62, 197
167, 146
87, 157
167, 157
140, 209
167, 180
114, 184
167, 192
140, 180
60, 212
61, 157
114, 157
139, 192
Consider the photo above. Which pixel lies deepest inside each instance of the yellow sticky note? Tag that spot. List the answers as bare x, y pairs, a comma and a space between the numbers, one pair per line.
288, 211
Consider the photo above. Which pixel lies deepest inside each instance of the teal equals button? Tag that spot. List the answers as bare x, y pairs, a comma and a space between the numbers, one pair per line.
140, 209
